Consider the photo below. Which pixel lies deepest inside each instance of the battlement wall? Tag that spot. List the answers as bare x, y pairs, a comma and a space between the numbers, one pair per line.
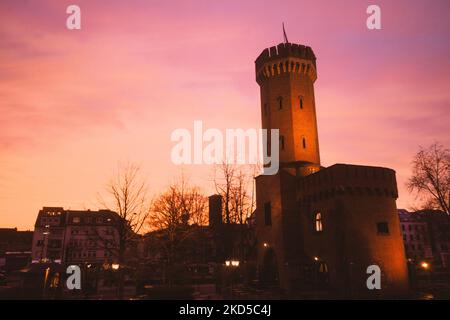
345, 179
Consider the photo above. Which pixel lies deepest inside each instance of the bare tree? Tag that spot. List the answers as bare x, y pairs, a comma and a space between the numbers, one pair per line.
236, 186
173, 217
126, 196
431, 177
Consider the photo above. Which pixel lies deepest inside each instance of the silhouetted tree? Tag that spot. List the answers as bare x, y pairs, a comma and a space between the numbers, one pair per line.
431, 177
235, 184
127, 196
174, 216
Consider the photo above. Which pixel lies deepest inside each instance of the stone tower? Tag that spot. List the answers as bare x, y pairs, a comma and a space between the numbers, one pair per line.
319, 229
286, 75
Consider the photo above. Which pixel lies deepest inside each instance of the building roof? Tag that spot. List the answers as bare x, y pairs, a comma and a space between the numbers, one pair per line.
78, 217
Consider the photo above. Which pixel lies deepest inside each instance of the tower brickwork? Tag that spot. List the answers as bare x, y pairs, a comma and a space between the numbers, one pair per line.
286, 75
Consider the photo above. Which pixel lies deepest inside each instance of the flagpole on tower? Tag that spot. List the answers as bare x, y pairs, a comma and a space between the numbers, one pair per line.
284, 35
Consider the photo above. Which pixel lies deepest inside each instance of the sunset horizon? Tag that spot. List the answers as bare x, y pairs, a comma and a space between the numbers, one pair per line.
76, 103
233, 157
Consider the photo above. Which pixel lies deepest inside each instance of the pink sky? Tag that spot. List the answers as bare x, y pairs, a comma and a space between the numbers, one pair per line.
75, 103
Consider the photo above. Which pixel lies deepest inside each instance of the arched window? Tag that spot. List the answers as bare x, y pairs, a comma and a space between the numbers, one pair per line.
318, 220
323, 267
304, 142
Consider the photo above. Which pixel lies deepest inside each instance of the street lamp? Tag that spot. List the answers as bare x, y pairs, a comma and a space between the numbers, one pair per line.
427, 268
231, 265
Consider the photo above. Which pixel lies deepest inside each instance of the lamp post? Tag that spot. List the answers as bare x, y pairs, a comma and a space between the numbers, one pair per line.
117, 270
426, 266
231, 265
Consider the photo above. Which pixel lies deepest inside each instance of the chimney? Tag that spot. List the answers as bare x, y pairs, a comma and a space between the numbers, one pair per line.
215, 210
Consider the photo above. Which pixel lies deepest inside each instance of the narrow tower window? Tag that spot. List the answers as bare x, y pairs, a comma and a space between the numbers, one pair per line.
282, 142
301, 102
318, 220
267, 214
280, 103
266, 107
304, 142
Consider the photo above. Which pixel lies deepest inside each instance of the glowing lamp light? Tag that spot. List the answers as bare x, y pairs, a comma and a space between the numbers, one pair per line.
232, 263
425, 265
316, 258
265, 244
115, 266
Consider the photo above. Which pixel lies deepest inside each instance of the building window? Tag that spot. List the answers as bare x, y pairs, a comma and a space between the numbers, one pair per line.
318, 222
282, 142
382, 228
267, 214
304, 142
76, 220
403, 227
323, 267
301, 102
280, 103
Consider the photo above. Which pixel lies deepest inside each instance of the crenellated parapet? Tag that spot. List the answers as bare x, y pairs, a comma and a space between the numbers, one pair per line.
286, 58
351, 180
